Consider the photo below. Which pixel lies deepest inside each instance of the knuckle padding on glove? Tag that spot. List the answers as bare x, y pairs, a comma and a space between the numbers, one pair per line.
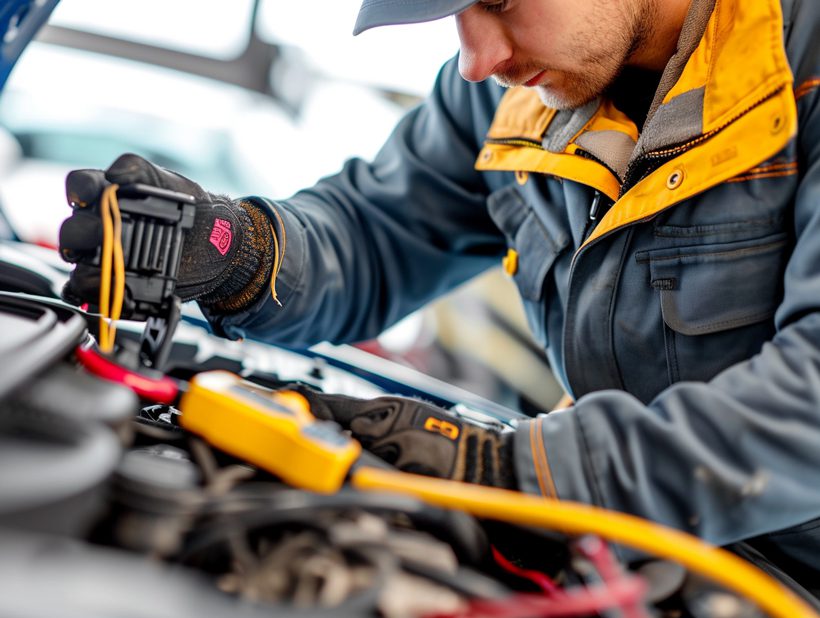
81, 234
130, 168
83, 187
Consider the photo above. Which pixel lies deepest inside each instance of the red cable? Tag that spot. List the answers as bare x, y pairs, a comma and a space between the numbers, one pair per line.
542, 580
595, 550
615, 591
572, 604
160, 390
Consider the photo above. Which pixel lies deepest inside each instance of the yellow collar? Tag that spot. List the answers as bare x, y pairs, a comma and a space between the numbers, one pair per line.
748, 115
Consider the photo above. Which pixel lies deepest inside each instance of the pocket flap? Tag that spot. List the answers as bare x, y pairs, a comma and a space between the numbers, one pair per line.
536, 246
708, 289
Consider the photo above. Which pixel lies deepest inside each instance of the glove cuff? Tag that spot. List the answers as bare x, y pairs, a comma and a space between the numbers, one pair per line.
249, 272
486, 458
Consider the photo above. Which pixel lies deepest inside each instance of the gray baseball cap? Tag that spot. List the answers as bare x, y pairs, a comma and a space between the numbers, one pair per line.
388, 12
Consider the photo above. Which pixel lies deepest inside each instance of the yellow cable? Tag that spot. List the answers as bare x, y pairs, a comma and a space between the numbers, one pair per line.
111, 252
106, 345
573, 518
278, 254
277, 264
119, 260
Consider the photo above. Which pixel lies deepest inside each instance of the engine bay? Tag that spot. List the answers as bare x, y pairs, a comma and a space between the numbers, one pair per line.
109, 505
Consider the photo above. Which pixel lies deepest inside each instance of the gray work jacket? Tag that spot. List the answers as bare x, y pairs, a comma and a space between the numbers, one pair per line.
674, 282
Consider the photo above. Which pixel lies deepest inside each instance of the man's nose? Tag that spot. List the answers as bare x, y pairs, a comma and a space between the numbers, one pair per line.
485, 45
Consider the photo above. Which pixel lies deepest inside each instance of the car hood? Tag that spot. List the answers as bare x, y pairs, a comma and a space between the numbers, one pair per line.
20, 20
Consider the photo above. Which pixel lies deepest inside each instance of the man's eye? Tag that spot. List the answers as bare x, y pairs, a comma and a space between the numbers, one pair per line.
494, 6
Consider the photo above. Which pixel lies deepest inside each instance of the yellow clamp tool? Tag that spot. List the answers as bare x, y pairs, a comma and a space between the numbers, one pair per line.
272, 430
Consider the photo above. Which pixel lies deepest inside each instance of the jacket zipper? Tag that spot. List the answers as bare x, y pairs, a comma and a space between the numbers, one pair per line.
661, 156
599, 207
515, 141
657, 158
630, 181
595, 210
634, 174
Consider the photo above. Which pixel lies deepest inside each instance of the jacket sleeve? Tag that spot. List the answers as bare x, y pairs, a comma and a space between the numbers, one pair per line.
725, 460
378, 240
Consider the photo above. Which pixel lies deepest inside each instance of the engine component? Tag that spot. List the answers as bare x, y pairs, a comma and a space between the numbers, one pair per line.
69, 392
54, 471
35, 335
154, 498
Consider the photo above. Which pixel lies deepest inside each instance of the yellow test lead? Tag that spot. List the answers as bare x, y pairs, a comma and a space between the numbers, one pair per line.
111, 258
119, 260
106, 344
574, 518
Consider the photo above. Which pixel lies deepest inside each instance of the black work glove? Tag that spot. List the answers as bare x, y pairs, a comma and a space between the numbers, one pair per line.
419, 437
227, 256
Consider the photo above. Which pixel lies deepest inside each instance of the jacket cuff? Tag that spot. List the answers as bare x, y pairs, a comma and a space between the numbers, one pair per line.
548, 455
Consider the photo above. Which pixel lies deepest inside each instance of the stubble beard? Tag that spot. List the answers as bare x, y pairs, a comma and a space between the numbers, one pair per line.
601, 65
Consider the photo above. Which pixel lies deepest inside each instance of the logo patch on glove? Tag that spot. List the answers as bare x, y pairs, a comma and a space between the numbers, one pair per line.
436, 425
221, 235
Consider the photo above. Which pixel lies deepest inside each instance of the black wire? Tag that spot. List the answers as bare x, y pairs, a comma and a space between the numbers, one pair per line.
256, 510
458, 529
464, 581
286, 506
157, 431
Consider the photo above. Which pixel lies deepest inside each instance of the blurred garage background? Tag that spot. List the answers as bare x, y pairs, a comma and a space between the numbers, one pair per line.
249, 97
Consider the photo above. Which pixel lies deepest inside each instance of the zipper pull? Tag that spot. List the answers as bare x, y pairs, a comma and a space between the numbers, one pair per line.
600, 205
593, 209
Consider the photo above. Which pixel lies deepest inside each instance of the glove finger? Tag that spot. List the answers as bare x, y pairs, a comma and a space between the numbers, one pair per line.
69, 295
419, 452
394, 414
83, 286
130, 168
80, 236
317, 408
83, 187
378, 417
371, 419
339, 408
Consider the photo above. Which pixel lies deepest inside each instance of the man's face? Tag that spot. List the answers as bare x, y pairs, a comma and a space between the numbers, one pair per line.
569, 51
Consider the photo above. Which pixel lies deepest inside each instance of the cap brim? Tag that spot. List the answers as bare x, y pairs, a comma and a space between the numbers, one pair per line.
376, 13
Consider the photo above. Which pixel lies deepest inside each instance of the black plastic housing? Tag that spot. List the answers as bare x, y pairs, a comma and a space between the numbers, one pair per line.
154, 222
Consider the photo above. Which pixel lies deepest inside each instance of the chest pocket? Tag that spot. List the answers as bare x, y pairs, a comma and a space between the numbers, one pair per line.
536, 244
717, 302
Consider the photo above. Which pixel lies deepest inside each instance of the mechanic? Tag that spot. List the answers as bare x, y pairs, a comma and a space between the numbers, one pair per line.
649, 171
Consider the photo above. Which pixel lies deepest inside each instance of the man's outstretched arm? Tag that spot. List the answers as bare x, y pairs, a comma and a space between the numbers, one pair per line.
367, 246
